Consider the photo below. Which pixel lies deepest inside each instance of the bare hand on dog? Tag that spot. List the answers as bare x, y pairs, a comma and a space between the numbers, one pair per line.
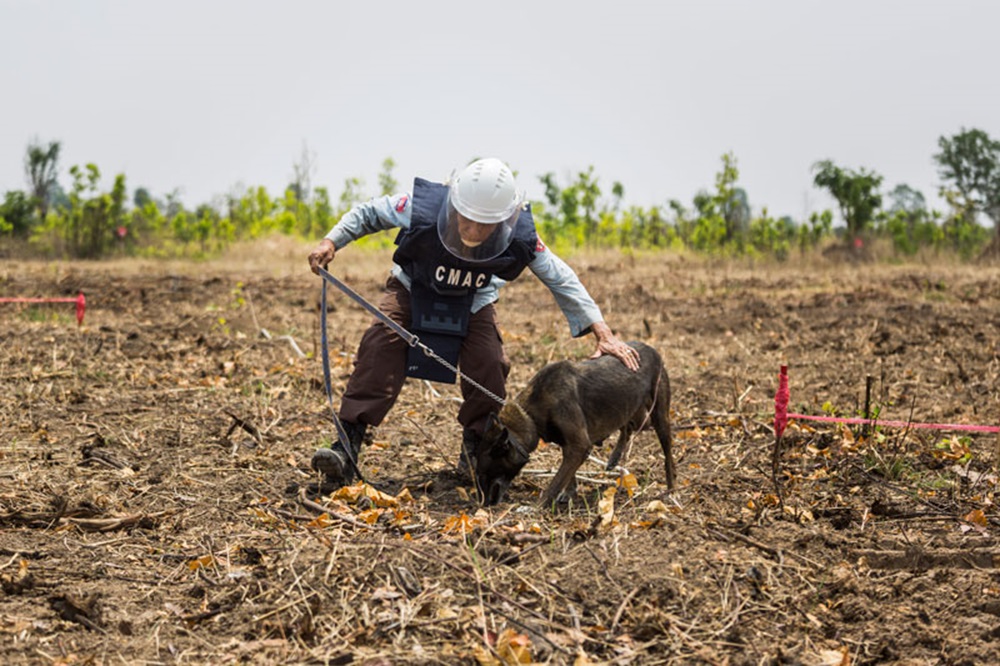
609, 343
322, 255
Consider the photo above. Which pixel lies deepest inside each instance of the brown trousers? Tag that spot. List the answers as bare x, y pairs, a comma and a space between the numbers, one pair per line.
380, 365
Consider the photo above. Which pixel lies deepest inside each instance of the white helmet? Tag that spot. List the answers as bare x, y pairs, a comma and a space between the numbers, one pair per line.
482, 210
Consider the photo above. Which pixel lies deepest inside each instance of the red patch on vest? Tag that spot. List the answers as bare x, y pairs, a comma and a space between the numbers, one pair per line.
539, 246
401, 204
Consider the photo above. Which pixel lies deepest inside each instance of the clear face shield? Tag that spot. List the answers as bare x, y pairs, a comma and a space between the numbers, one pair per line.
477, 235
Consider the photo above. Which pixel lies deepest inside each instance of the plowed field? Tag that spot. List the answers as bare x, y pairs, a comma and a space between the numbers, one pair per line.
156, 505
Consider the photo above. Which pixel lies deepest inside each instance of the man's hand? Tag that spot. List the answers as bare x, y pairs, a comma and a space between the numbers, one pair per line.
322, 255
609, 343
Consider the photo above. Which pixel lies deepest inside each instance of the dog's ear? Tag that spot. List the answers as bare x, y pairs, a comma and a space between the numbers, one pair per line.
494, 429
501, 444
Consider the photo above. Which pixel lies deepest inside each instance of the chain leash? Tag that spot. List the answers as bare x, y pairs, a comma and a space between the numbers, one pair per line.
406, 335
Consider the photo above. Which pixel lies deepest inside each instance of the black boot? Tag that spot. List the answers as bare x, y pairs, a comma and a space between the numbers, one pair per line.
467, 459
334, 463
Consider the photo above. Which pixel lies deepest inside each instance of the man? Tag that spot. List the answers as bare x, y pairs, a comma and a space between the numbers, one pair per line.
458, 243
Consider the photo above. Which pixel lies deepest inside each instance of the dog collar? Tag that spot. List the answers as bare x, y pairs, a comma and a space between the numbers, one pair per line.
518, 447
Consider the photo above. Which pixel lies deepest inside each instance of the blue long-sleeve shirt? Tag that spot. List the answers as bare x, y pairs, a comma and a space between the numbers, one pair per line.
393, 212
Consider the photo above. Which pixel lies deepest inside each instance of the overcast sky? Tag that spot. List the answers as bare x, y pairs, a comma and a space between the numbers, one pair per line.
205, 96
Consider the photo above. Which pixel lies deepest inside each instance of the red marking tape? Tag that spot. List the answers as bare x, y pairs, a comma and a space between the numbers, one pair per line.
81, 303
781, 415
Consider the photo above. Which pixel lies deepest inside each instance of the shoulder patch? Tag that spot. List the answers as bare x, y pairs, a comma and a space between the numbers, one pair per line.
539, 246
401, 202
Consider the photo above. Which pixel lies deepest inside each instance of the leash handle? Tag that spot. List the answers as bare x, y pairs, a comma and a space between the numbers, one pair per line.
410, 338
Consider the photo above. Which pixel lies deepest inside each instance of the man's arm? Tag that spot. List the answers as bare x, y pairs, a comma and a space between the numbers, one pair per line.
579, 307
379, 214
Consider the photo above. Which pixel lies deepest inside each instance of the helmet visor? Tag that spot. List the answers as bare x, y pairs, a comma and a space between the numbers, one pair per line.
474, 241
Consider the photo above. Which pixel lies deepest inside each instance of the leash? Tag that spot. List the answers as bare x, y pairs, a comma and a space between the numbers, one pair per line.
341, 432
406, 335
410, 339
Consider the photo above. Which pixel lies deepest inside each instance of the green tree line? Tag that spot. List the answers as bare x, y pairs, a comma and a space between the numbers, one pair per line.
85, 222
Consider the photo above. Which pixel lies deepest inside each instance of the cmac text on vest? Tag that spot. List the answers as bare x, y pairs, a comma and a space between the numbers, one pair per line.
456, 277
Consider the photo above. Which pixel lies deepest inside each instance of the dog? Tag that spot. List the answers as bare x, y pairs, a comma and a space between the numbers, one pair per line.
575, 404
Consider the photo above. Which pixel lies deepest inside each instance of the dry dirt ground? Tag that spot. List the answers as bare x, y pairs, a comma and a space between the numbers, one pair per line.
156, 507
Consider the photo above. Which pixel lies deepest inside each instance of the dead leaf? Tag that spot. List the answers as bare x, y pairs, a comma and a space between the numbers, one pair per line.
463, 523
799, 513
349, 494
380, 499
19, 581
628, 482
484, 657
976, 517
370, 516
656, 506
445, 613
203, 561
321, 521
606, 507
839, 657
514, 648
385, 594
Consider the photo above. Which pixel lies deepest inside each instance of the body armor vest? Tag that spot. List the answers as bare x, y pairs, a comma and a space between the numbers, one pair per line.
443, 285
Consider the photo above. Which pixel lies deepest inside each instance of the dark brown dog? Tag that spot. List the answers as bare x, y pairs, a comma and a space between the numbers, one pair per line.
575, 405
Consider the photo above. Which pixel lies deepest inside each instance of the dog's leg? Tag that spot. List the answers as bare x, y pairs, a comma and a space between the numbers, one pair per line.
624, 437
573, 457
566, 496
565, 479
661, 423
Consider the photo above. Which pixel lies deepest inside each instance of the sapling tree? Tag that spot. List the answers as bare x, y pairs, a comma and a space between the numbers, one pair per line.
723, 215
41, 167
856, 193
87, 226
141, 197
302, 173
387, 183
352, 195
16, 213
298, 194
579, 213
969, 166
732, 201
905, 199
908, 222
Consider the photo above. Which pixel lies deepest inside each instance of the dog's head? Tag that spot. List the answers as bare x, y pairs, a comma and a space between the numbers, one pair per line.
499, 458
